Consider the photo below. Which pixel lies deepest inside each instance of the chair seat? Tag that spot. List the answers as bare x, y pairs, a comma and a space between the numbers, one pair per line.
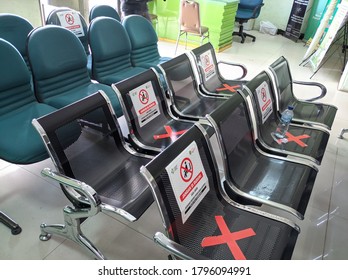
304, 141
23, 144
202, 31
251, 247
320, 113
76, 94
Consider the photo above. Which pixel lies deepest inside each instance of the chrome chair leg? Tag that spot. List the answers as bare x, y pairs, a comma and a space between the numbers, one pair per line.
71, 230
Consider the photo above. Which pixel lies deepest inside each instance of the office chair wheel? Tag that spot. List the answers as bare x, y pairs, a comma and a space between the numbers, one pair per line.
254, 40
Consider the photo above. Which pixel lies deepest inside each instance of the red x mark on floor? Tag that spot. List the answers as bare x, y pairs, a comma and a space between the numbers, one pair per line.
170, 133
296, 139
229, 238
229, 88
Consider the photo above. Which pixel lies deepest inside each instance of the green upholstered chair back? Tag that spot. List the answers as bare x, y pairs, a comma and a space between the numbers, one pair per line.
103, 11
15, 88
58, 61
55, 17
15, 29
19, 142
143, 40
110, 46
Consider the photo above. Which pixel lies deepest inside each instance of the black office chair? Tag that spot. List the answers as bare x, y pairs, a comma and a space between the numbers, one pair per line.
247, 9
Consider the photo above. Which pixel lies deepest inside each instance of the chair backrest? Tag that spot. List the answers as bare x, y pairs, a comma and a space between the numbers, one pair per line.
110, 46
103, 161
249, 9
15, 80
283, 82
263, 102
143, 39
19, 142
58, 61
208, 66
72, 20
189, 158
15, 29
181, 81
103, 11
150, 122
189, 18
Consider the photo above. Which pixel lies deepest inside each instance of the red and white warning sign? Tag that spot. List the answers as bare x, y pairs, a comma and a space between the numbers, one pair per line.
145, 103
71, 20
189, 180
208, 66
265, 101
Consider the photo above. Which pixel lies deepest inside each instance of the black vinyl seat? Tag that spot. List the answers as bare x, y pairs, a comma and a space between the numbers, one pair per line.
305, 111
200, 221
301, 141
152, 126
252, 175
186, 100
98, 172
211, 81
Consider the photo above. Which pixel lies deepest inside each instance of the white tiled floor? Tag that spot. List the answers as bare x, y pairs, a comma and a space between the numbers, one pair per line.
31, 199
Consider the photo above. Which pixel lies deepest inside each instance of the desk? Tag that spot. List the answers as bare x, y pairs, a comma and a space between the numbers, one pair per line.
217, 15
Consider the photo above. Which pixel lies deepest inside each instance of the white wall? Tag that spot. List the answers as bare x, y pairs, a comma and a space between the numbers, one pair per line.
278, 12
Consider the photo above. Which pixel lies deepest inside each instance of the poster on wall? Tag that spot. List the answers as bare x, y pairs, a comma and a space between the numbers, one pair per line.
293, 28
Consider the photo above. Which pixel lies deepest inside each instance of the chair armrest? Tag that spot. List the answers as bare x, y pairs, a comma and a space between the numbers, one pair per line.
244, 69
174, 248
321, 86
86, 194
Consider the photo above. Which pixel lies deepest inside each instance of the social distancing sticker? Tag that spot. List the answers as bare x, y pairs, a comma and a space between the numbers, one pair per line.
145, 103
207, 62
71, 20
265, 101
189, 180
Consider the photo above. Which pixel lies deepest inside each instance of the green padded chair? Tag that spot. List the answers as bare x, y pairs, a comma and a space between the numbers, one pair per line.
19, 142
111, 48
64, 16
103, 11
59, 66
144, 42
15, 29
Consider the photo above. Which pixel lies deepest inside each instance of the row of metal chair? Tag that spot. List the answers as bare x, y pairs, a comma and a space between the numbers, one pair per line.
199, 207
181, 99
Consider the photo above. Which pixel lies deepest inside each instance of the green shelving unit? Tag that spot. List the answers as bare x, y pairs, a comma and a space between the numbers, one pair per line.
217, 15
